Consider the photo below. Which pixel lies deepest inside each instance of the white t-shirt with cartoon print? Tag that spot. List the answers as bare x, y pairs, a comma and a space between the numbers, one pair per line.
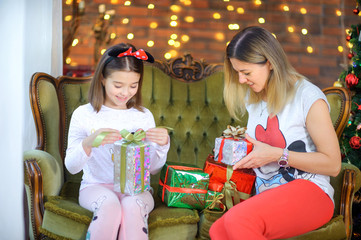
98, 168
286, 130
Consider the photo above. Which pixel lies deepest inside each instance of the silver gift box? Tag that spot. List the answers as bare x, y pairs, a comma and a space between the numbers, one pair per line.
233, 151
133, 168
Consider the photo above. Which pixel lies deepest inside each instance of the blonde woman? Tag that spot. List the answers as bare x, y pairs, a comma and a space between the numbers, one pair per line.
295, 147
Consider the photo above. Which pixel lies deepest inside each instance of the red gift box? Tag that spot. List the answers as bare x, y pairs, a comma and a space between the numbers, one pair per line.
243, 178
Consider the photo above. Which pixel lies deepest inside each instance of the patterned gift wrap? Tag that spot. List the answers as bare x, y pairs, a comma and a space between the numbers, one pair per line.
131, 172
229, 151
183, 186
240, 182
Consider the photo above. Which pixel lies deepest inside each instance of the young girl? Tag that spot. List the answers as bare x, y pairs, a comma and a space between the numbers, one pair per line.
114, 104
295, 145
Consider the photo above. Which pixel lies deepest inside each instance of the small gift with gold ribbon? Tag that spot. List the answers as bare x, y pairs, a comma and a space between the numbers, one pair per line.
131, 163
213, 211
232, 146
183, 186
214, 201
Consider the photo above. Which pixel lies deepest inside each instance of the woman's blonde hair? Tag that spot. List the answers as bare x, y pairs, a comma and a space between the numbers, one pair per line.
257, 45
109, 64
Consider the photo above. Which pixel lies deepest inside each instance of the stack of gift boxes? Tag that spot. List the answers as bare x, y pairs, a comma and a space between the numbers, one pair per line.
215, 187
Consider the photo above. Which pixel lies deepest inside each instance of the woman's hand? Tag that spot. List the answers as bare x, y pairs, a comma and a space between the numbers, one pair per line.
261, 154
112, 136
157, 135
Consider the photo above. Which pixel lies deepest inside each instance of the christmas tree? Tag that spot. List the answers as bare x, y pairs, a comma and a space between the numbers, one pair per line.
350, 141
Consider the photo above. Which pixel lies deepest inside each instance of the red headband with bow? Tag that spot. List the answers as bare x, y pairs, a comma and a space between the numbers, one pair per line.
140, 54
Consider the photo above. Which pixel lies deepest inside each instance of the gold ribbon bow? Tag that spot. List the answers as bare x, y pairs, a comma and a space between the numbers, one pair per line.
230, 190
234, 132
214, 201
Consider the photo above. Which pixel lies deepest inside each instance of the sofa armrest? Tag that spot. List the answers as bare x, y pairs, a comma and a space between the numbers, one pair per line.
43, 177
351, 184
34, 180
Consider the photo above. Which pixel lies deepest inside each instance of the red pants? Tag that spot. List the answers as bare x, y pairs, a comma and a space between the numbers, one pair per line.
286, 211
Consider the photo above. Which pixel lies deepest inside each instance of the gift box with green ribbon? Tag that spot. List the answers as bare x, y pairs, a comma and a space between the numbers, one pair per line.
183, 186
131, 163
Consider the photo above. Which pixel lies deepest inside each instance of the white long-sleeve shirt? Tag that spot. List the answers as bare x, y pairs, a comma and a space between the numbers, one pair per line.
98, 168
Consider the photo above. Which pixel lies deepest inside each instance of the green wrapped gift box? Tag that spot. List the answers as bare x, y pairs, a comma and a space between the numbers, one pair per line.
183, 186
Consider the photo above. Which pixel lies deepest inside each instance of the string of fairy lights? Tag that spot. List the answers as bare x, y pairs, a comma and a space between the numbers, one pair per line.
176, 41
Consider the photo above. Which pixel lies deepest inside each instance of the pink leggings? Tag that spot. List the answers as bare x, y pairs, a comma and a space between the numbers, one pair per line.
283, 212
114, 211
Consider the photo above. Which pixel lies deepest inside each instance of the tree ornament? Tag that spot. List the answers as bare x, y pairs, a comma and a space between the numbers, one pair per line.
358, 127
348, 38
338, 83
355, 142
351, 80
356, 11
350, 55
351, 118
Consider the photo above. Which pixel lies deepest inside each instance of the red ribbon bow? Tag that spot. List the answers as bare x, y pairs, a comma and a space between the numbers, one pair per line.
140, 54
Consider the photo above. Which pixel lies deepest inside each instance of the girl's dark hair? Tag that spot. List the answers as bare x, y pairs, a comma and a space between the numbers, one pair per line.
109, 64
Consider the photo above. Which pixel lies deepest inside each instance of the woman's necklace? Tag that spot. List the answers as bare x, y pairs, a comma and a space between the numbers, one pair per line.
262, 108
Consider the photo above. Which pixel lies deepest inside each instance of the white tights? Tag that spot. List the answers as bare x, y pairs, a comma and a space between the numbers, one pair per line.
116, 216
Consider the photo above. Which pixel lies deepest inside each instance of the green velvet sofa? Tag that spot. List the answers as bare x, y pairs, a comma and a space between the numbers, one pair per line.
184, 94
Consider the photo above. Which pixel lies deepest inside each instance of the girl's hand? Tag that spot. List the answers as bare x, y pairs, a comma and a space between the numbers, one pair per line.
112, 136
157, 135
261, 154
